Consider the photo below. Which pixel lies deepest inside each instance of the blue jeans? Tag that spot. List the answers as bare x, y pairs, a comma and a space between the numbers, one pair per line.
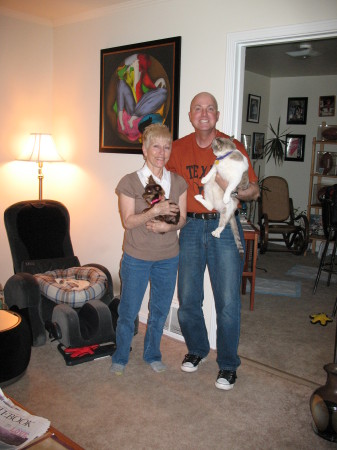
199, 248
135, 275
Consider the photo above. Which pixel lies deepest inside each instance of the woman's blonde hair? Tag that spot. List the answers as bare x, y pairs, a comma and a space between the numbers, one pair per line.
156, 130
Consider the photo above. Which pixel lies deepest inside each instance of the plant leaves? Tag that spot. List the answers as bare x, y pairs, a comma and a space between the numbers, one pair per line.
274, 147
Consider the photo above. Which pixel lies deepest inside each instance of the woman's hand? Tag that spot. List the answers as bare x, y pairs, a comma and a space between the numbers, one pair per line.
157, 226
165, 208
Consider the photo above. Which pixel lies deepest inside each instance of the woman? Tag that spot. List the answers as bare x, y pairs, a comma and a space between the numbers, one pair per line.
151, 249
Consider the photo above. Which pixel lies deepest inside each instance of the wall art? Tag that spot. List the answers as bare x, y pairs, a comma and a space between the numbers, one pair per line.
297, 110
258, 145
327, 106
253, 110
139, 85
295, 144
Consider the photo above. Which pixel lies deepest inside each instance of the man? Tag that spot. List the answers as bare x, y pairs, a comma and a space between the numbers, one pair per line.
192, 157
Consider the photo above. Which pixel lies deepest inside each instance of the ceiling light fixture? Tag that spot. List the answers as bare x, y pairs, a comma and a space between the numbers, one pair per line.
305, 51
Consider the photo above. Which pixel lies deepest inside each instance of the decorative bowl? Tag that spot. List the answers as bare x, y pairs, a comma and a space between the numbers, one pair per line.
329, 133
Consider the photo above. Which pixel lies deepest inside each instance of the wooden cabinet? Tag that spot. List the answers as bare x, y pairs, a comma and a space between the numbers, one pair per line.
323, 173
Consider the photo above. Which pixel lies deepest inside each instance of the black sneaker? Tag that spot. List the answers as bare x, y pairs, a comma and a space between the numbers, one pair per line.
226, 379
191, 362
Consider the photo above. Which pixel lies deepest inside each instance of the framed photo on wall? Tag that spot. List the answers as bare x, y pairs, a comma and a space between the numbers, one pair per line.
258, 144
295, 144
246, 140
297, 110
253, 109
327, 106
139, 86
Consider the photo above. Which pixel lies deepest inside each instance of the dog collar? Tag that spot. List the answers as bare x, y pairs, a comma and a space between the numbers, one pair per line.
223, 157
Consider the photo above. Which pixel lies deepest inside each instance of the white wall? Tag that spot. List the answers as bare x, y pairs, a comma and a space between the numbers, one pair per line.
26, 79
86, 182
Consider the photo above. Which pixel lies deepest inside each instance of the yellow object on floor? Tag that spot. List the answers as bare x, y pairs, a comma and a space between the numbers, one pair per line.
320, 318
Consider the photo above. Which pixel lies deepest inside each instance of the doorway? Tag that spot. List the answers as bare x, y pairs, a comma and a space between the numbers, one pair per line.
235, 62
235, 73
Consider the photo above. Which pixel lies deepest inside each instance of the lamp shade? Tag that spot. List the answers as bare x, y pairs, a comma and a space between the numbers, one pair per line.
41, 148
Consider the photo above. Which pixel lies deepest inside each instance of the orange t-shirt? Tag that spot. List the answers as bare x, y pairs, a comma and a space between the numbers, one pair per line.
193, 163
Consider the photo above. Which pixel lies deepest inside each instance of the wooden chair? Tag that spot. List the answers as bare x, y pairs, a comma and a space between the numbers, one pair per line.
277, 219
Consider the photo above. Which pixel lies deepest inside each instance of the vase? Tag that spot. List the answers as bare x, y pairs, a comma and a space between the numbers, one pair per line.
323, 406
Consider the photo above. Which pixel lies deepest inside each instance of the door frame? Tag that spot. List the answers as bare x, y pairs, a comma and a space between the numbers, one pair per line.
235, 61
235, 74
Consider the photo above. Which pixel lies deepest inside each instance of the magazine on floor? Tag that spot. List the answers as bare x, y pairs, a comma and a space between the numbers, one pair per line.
17, 426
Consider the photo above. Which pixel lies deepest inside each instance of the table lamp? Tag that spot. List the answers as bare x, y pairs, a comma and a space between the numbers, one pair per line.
41, 148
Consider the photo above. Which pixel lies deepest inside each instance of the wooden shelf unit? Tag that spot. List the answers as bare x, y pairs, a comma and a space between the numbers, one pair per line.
315, 207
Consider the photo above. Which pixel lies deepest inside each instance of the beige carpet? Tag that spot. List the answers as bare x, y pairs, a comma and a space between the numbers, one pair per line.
171, 410
279, 331
267, 409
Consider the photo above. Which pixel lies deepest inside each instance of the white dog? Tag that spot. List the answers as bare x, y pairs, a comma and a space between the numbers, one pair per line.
232, 166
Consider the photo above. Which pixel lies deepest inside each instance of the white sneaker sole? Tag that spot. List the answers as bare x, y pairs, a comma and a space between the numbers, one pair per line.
191, 368
225, 387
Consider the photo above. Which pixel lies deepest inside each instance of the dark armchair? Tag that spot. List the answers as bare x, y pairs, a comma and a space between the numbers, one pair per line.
39, 237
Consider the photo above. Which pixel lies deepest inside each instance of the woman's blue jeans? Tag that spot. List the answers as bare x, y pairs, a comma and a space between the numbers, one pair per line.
198, 249
135, 275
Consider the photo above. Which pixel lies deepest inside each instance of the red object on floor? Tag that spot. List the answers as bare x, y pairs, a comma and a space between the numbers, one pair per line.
81, 351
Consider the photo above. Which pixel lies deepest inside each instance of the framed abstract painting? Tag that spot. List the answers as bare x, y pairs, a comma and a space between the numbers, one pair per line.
139, 86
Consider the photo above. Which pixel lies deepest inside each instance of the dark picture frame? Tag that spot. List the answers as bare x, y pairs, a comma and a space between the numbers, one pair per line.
246, 140
295, 146
258, 145
253, 109
140, 84
326, 106
297, 110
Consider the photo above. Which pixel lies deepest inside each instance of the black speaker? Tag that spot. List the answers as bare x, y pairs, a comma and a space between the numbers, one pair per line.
15, 347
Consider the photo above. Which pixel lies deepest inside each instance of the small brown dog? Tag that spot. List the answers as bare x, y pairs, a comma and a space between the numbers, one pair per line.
153, 194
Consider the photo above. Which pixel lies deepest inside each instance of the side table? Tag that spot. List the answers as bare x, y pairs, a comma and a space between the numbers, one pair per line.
15, 346
251, 235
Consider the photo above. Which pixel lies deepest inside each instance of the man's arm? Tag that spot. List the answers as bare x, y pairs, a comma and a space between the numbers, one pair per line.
251, 193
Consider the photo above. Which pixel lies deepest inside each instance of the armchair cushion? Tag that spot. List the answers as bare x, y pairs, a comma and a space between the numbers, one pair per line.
73, 286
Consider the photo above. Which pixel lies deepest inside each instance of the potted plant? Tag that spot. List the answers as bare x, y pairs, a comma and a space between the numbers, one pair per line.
274, 147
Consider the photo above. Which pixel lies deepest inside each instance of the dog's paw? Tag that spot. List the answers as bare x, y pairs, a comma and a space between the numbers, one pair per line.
203, 180
216, 233
199, 197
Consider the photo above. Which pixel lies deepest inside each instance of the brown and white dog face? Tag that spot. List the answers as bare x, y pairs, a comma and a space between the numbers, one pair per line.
153, 192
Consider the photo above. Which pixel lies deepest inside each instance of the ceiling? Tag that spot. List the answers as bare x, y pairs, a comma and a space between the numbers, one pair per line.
273, 61
57, 9
268, 60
